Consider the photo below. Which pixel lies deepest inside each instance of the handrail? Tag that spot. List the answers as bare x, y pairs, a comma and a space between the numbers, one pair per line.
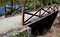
49, 8
40, 12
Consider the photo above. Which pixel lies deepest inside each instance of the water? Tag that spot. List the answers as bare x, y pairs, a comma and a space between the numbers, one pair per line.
7, 10
1, 10
17, 6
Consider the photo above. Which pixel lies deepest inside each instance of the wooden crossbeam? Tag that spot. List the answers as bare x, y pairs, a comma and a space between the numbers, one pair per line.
45, 10
48, 9
31, 14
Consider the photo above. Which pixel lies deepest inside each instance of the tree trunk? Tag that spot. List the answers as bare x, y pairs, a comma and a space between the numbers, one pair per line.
5, 11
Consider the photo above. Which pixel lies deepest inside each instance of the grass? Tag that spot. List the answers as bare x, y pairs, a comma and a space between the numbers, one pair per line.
18, 36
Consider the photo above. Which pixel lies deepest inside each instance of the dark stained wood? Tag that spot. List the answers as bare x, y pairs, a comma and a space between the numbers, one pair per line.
5, 11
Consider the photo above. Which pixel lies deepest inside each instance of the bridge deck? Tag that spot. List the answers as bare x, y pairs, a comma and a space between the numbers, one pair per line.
14, 22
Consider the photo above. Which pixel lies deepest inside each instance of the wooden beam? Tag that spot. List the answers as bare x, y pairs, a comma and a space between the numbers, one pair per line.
22, 17
5, 11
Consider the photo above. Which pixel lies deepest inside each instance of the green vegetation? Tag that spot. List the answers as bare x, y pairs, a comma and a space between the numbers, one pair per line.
18, 36
57, 1
14, 36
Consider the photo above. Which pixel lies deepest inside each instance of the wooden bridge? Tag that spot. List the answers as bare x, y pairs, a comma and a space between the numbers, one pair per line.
42, 23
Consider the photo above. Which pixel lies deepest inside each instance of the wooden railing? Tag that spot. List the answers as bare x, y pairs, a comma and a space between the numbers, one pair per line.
40, 15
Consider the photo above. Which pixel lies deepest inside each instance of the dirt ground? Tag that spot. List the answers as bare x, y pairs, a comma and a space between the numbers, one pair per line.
55, 29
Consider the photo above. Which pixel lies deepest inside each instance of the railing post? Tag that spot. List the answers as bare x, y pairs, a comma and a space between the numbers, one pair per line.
57, 7
41, 6
22, 17
39, 13
5, 11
